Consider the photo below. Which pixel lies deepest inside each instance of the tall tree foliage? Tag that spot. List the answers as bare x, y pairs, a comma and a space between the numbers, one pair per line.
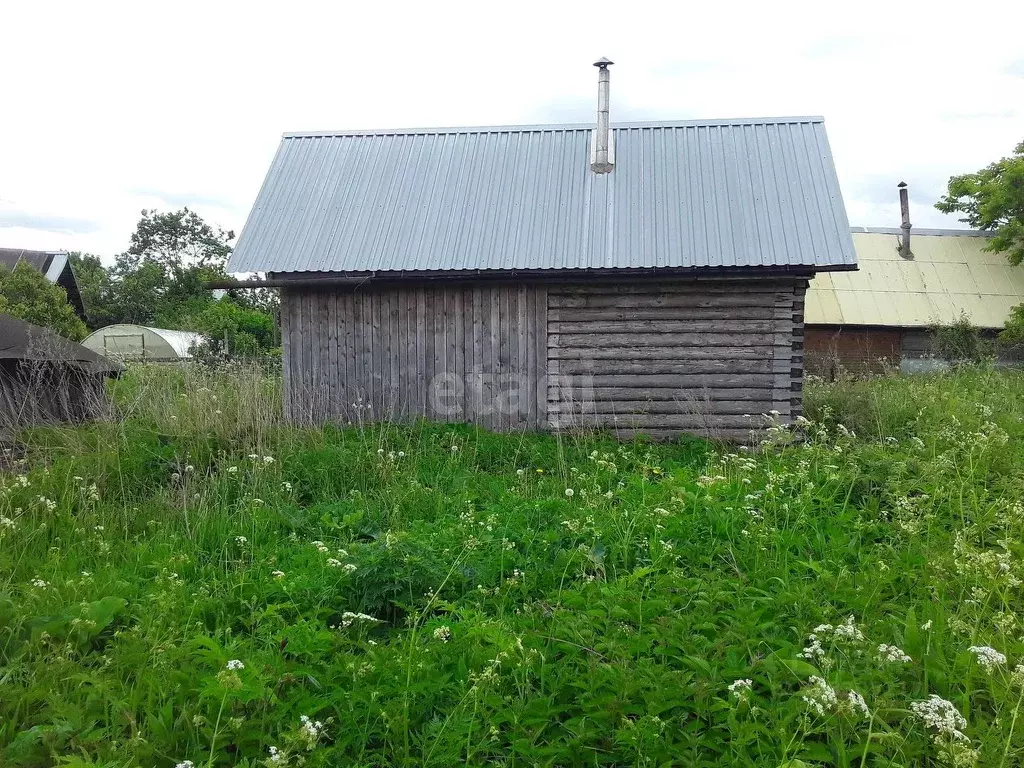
993, 199
25, 293
160, 281
99, 293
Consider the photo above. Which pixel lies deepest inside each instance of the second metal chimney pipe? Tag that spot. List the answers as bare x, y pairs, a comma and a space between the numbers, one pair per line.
905, 221
601, 161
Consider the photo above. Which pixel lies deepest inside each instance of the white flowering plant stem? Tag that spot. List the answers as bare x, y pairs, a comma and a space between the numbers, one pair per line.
206, 583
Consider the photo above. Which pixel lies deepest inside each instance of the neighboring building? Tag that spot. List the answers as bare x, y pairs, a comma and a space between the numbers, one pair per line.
880, 317
140, 342
46, 379
648, 278
56, 265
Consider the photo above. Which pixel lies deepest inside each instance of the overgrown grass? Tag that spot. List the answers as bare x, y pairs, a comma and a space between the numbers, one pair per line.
190, 582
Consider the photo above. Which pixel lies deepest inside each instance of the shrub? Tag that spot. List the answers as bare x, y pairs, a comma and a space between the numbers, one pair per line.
960, 342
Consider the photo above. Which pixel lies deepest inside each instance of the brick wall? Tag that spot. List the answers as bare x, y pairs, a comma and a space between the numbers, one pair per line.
831, 350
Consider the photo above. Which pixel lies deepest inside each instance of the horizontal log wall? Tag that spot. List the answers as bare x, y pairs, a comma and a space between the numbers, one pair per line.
662, 358
474, 353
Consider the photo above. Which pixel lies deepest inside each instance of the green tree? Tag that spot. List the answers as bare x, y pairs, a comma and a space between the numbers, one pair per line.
99, 292
160, 278
247, 331
993, 199
25, 293
1012, 334
179, 241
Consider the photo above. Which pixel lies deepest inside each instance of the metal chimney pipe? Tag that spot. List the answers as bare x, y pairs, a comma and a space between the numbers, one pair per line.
602, 159
905, 221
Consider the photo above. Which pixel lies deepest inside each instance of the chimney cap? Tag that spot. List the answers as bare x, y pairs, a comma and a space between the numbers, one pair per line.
603, 62
902, 184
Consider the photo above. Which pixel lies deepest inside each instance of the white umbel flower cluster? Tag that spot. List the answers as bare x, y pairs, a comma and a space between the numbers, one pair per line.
989, 658
235, 665
941, 716
892, 654
741, 689
348, 618
855, 704
310, 731
847, 632
820, 697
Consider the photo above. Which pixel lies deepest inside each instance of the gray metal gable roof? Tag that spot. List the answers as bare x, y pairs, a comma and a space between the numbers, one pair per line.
701, 194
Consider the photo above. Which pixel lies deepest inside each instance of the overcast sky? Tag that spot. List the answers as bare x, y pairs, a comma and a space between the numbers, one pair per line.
109, 108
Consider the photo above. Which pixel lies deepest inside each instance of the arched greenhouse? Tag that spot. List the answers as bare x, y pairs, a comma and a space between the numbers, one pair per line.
140, 342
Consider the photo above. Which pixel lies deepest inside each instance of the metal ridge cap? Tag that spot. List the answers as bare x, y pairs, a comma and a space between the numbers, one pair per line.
923, 231
545, 127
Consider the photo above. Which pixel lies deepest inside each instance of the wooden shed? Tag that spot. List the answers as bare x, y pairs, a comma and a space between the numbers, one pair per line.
650, 278
46, 379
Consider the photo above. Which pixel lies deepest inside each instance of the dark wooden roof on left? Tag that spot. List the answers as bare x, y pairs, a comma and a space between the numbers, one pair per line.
22, 341
56, 265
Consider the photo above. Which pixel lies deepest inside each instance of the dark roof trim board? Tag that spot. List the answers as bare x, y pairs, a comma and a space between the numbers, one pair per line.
708, 194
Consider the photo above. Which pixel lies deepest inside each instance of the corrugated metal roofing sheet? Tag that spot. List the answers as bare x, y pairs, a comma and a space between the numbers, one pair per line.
737, 193
949, 274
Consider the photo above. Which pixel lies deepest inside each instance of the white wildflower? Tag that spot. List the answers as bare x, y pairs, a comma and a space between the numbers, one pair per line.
348, 568
989, 658
740, 689
286, 487
241, 541
942, 716
569, 492
277, 574
1018, 675
443, 633
276, 755
855, 704
268, 459
320, 546
310, 731
235, 664
926, 626
520, 472
39, 583
892, 653
334, 563
820, 697
253, 457
185, 764
232, 470
348, 618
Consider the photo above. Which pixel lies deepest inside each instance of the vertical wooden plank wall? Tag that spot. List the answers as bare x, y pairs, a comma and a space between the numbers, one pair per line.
707, 357
448, 352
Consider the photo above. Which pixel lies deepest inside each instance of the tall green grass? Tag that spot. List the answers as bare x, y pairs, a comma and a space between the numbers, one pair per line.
438, 595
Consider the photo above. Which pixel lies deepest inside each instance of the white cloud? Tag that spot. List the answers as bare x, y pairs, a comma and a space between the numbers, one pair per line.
114, 107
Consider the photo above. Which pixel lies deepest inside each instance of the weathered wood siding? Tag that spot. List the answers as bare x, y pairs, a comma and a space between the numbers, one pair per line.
659, 357
450, 352
662, 358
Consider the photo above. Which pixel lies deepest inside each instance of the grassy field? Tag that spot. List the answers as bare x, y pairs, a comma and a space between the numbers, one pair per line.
199, 584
